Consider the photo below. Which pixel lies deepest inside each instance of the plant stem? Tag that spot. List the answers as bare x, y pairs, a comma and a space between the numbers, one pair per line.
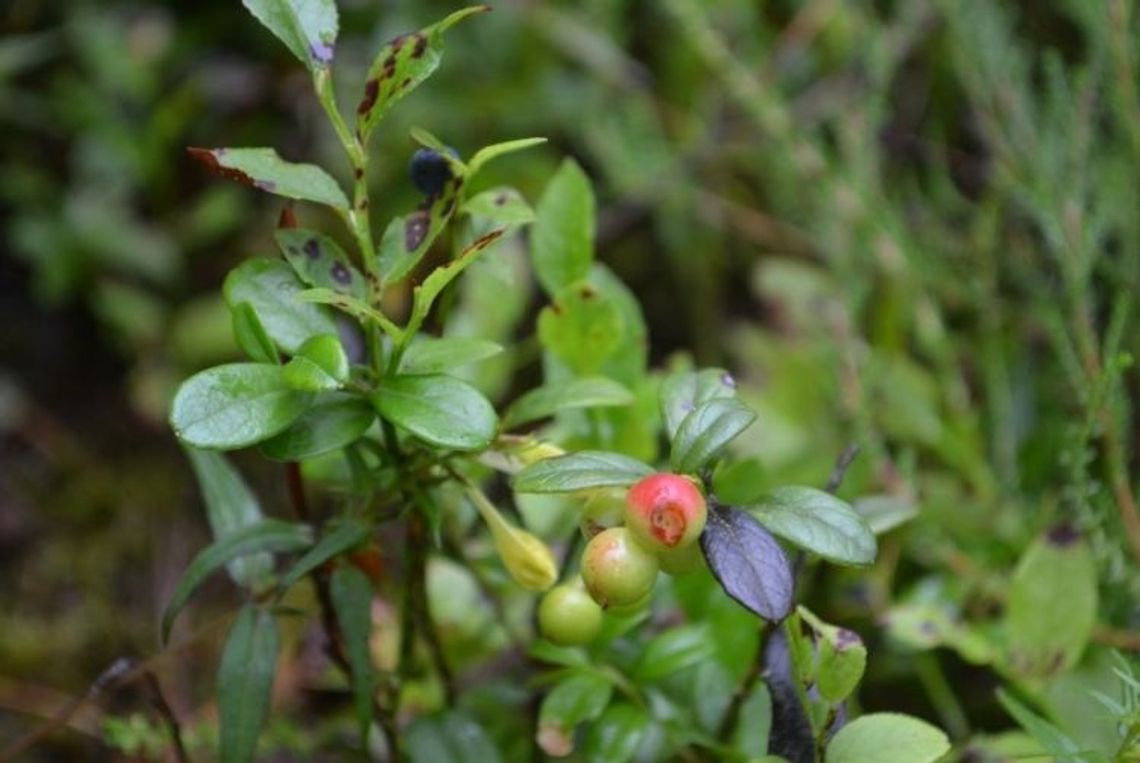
384, 716
358, 217
168, 717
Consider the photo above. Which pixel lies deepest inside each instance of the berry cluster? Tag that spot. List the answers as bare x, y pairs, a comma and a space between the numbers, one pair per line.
663, 516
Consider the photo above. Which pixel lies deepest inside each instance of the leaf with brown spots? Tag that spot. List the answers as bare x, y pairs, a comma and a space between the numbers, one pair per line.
435, 283
401, 65
358, 309
407, 239
502, 206
319, 261
263, 168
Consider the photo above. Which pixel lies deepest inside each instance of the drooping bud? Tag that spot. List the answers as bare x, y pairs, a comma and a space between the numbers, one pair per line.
527, 559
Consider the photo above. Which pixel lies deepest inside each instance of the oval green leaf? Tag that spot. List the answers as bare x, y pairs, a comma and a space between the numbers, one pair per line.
887, 738
235, 405
707, 431
431, 355
273, 290
438, 409
562, 239
333, 422
587, 392
580, 471
818, 522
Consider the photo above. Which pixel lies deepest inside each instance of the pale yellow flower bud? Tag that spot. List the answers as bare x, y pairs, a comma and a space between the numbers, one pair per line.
528, 560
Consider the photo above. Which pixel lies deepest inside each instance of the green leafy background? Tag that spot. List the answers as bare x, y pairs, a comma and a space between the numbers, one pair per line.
909, 227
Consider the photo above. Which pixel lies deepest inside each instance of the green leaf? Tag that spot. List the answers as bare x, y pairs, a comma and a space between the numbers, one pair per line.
1054, 741
748, 563
332, 422
352, 599
274, 291
1052, 604
582, 697
438, 409
887, 738
354, 307
562, 239
842, 658
673, 651
487, 153
615, 736
425, 294
707, 431
884, 513
235, 405
251, 336
400, 67
818, 522
580, 471
347, 534
245, 680
750, 737
407, 239
266, 535
304, 375
430, 355
502, 206
320, 262
683, 392
230, 506
263, 169
582, 328
449, 737
326, 353
307, 27
587, 392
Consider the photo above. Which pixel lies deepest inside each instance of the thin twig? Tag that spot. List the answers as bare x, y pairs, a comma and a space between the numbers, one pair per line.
112, 676
842, 464
168, 717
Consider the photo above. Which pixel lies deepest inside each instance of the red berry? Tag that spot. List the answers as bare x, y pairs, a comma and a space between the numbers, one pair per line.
665, 512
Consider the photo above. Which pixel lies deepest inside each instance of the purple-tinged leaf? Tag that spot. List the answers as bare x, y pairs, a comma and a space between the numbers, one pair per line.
748, 562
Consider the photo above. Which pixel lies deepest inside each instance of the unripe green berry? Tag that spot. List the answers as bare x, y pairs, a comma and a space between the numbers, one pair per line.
616, 569
568, 616
666, 512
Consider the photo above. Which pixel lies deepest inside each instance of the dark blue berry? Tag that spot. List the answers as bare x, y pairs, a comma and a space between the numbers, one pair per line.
430, 171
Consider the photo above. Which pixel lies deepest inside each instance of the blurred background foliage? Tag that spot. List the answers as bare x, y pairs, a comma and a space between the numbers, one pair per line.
914, 226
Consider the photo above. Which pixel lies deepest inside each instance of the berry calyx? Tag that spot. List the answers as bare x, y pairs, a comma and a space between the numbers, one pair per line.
568, 616
616, 569
666, 512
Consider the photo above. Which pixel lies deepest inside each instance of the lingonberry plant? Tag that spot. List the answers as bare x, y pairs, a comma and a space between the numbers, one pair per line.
381, 423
